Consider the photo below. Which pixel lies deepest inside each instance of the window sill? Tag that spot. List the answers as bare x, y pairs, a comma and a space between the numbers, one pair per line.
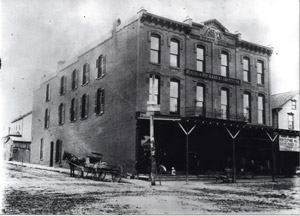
175, 113
61, 94
156, 64
61, 124
85, 84
72, 121
74, 89
99, 114
84, 118
175, 68
246, 82
260, 85
98, 78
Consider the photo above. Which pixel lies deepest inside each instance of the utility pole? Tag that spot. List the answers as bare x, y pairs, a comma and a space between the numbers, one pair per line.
152, 106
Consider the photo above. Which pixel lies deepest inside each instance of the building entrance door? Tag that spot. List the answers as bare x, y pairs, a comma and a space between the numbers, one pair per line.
51, 153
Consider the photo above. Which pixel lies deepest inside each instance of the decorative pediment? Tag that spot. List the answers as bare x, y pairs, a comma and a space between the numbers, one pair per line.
215, 24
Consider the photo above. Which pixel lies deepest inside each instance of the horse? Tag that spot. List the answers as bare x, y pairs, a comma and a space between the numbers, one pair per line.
73, 161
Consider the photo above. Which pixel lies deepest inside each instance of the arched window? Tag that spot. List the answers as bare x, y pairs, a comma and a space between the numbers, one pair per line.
99, 101
101, 66
200, 62
261, 109
46, 118
155, 49
260, 72
174, 53
73, 110
62, 89
200, 99
74, 79
247, 106
85, 74
61, 114
224, 103
174, 96
224, 64
84, 106
154, 89
48, 92
246, 69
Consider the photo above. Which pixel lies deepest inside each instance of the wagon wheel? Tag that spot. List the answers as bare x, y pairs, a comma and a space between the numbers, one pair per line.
100, 175
117, 173
78, 172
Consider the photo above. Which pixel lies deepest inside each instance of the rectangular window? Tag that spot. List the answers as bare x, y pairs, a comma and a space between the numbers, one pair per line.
246, 70
154, 89
200, 59
224, 104
247, 107
290, 120
42, 149
261, 110
200, 100
174, 54
224, 64
260, 72
48, 92
155, 49
293, 104
99, 101
174, 97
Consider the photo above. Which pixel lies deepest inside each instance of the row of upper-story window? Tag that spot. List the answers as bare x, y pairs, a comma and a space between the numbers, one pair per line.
83, 109
155, 57
200, 100
100, 72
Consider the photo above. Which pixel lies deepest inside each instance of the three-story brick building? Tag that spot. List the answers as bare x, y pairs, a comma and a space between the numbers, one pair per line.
199, 73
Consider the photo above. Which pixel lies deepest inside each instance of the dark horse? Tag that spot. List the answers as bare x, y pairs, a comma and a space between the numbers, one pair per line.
73, 161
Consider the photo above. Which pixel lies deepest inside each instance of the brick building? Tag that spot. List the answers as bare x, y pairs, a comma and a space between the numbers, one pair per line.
199, 73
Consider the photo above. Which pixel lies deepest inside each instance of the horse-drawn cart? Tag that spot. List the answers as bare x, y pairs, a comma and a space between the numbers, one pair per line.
93, 166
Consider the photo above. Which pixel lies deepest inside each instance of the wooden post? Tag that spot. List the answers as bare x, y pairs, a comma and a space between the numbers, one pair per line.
273, 155
187, 149
233, 153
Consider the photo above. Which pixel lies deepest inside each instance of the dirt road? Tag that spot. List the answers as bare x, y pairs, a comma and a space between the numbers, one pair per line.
33, 191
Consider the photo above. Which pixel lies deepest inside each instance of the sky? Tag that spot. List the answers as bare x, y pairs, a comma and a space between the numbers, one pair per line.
36, 34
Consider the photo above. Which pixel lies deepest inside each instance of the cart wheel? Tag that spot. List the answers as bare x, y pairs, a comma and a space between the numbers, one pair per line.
101, 175
117, 173
78, 173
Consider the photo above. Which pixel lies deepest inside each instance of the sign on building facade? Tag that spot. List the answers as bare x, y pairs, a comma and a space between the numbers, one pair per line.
289, 143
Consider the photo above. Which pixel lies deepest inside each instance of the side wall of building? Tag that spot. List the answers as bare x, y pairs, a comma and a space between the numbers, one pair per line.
111, 133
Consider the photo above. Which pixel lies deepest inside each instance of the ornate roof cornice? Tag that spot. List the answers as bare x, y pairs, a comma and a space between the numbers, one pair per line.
164, 22
255, 47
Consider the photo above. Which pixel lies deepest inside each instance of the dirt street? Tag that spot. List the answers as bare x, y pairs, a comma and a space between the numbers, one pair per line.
34, 191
